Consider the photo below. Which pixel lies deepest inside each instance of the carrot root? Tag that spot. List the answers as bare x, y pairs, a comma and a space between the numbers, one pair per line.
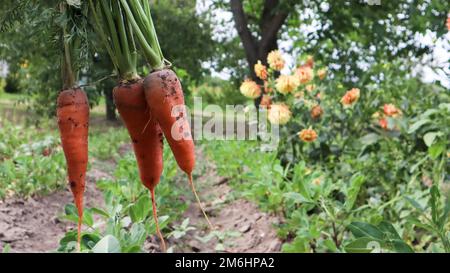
155, 217
79, 205
199, 202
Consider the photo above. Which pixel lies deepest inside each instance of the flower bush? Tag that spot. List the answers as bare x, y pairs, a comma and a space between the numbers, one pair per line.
370, 155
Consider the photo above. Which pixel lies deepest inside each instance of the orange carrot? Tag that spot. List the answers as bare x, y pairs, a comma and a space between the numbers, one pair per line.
165, 98
73, 123
146, 136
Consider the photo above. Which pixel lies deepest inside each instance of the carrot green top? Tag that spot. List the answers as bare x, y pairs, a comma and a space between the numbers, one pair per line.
119, 23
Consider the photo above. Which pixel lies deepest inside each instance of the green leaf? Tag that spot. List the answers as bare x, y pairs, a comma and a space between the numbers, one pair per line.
100, 212
436, 150
417, 125
360, 229
415, 204
370, 139
429, 138
434, 203
141, 209
352, 194
109, 244
389, 230
401, 247
363, 245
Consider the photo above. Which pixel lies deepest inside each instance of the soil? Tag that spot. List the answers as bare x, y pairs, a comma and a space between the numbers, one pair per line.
240, 227
33, 225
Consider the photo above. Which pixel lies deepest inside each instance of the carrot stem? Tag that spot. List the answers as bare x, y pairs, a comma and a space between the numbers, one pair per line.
199, 202
155, 217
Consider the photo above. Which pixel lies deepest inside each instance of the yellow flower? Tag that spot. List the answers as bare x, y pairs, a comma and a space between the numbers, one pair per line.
261, 71
286, 84
305, 74
275, 60
250, 89
310, 87
351, 97
308, 135
279, 114
322, 73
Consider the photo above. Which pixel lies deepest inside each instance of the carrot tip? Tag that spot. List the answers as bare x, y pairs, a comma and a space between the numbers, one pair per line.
199, 202
155, 217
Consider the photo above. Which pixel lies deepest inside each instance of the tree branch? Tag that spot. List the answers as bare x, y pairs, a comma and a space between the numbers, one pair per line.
272, 21
240, 19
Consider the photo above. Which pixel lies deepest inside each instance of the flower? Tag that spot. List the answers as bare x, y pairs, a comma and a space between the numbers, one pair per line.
279, 114
322, 73
316, 112
266, 101
299, 95
308, 135
351, 97
376, 115
310, 87
310, 61
261, 71
391, 111
267, 87
305, 74
448, 23
250, 89
275, 60
383, 123
286, 84
317, 181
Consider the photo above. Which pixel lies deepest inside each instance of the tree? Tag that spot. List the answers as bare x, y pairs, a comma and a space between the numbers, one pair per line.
258, 25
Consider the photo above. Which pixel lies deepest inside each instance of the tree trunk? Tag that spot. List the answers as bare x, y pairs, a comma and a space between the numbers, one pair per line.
271, 22
109, 100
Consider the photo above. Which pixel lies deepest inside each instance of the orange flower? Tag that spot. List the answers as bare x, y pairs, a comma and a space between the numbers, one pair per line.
316, 112
310, 61
250, 89
279, 114
261, 71
266, 101
305, 74
267, 88
322, 73
308, 135
286, 84
351, 97
448, 23
383, 123
275, 60
391, 111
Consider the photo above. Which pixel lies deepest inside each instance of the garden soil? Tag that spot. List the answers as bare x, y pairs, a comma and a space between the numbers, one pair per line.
34, 225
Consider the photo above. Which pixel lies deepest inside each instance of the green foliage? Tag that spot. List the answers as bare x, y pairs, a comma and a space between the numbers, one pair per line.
220, 92
30, 161
127, 211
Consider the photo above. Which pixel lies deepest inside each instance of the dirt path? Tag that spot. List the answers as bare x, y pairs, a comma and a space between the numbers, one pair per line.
32, 225
240, 226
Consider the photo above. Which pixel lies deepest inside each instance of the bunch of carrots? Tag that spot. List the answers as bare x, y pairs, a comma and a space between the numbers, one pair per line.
152, 108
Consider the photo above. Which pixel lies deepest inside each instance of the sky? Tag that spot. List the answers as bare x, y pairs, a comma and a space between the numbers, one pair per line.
224, 27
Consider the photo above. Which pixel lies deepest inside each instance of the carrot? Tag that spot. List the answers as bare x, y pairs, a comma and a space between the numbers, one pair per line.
163, 92
146, 136
73, 123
